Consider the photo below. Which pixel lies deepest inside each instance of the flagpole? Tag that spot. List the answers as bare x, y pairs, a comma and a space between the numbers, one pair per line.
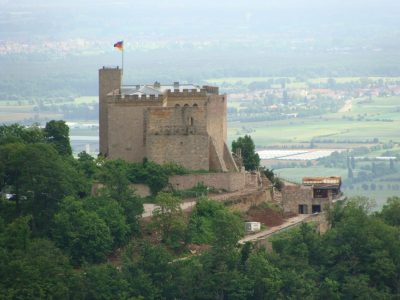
122, 71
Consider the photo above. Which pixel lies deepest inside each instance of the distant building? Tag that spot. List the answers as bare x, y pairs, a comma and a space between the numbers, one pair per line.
312, 196
183, 123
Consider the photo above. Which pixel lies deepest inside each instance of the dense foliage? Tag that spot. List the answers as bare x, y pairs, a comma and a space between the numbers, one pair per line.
56, 242
251, 159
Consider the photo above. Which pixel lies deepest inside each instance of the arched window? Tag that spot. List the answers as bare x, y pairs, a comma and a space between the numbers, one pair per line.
177, 105
195, 105
186, 105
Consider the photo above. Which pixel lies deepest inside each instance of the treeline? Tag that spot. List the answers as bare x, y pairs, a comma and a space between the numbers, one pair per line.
58, 241
273, 107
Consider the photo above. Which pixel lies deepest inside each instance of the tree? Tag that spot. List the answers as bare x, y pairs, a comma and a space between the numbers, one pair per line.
57, 134
113, 214
83, 234
40, 178
87, 164
391, 165
16, 133
353, 162
42, 271
104, 282
201, 228
391, 211
114, 175
169, 219
251, 159
350, 173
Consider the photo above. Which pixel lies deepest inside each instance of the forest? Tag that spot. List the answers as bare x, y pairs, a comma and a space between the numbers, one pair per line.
60, 241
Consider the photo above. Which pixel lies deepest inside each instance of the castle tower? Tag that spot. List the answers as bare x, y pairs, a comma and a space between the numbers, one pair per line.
182, 123
109, 80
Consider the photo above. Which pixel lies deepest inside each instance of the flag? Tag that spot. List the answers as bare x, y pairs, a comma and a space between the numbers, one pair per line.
119, 45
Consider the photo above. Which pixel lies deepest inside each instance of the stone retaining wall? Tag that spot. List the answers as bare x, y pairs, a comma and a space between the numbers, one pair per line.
229, 182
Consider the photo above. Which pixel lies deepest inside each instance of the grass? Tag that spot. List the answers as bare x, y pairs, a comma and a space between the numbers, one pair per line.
247, 80
297, 174
330, 126
380, 196
86, 100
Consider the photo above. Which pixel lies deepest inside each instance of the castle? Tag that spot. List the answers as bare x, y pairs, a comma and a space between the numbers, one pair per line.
180, 123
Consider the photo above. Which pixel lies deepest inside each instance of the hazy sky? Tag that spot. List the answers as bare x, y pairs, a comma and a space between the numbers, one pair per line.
94, 18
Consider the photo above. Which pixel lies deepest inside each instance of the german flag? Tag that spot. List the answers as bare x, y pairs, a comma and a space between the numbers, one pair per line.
119, 45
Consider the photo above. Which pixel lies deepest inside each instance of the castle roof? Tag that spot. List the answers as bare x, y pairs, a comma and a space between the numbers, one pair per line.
157, 89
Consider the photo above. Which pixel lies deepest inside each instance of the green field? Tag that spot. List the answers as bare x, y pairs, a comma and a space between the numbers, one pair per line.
379, 195
86, 100
380, 119
297, 174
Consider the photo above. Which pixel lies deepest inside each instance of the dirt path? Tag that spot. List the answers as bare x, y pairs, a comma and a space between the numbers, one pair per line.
265, 233
188, 204
347, 106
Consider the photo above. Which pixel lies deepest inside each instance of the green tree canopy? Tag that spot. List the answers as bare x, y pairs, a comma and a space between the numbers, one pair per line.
40, 178
83, 234
57, 133
251, 159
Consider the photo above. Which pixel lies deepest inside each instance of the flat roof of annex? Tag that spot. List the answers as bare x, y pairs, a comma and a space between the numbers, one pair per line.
322, 180
158, 89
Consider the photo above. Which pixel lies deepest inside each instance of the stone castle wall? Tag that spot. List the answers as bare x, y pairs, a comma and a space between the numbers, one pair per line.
187, 126
109, 80
177, 134
227, 181
216, 121
245, 202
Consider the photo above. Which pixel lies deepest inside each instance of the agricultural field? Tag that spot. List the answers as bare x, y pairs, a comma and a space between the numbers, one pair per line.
297, 174
366, 120
378, 190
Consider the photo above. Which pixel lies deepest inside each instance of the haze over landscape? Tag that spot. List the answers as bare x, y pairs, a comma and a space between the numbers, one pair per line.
180, 40
50, 54
312, 114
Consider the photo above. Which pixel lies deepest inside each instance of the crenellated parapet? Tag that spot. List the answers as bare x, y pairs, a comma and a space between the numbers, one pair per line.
116, 97
211, 89
185, 93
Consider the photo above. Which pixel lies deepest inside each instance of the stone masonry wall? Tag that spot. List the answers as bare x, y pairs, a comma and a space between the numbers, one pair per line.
125, 137
295, 195
177, 134
227, 181
216, 121
109, 80
245, 202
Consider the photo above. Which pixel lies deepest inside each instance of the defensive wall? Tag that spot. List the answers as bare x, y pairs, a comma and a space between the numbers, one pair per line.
229, 182
247, 200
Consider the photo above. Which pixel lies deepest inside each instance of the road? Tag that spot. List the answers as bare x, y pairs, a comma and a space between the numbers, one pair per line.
347, 106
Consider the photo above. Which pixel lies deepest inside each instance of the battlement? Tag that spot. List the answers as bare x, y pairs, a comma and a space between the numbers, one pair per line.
211, 89
117, 97
110, 68
186, 93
